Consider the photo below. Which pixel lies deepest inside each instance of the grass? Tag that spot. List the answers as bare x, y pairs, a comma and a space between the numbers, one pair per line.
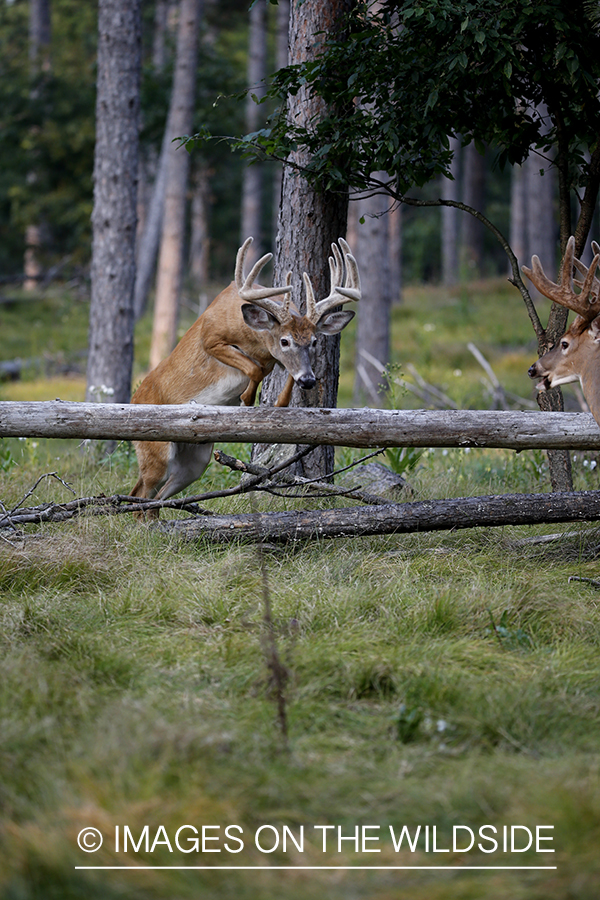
434, 679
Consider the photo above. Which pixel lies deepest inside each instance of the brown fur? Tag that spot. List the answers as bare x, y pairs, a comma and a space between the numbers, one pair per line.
220, 360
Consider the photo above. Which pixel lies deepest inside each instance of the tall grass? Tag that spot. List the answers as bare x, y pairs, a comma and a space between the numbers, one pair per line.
445, 679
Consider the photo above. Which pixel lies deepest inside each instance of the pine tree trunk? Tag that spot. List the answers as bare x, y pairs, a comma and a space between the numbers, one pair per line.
252, 181
473, 195
373, 332
542, 222
115, 199
149, 234
281, 60
309, 222
395, 230
518, 218
450, 220
542, 233
39, 61
199, 236
150, 238
170, 261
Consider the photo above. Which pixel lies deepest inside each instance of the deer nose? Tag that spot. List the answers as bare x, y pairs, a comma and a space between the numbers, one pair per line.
532, 371
306, 382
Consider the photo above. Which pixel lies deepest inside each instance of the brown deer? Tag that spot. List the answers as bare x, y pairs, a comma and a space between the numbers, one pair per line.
230, 348
576, 356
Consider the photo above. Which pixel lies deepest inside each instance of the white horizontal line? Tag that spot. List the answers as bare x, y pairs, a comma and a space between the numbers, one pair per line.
316, 868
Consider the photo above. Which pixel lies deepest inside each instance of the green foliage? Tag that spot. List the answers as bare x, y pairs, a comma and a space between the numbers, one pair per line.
47, 134
47, 128
511, 638
403, 459
7, 460
407, 75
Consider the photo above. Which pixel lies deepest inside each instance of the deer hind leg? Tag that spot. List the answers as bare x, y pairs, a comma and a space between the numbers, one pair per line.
153, 461
167, 468
187, 463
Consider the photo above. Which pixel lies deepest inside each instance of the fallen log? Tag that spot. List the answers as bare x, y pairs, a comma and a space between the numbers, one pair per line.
428, 515
365, 427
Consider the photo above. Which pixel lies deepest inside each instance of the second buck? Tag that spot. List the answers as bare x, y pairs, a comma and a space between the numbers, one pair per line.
576, 356
230, 348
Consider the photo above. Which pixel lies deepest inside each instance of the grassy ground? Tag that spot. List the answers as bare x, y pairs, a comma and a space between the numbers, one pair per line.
434, 680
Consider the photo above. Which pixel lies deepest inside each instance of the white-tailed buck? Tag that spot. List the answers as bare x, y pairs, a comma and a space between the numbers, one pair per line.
230, 348
576, 356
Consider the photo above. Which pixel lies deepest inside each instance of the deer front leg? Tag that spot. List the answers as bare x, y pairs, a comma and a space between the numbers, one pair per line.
234, 357
249, 395
285, 395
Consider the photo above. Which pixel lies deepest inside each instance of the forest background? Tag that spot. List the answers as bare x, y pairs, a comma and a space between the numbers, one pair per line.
47, 132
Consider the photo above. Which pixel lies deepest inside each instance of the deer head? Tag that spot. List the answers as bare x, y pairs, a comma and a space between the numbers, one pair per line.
289, 335
576, 356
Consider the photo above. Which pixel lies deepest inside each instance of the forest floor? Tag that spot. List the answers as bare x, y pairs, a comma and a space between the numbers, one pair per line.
447, 683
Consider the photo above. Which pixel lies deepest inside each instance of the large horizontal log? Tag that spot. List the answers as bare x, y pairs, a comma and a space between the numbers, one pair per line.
342, 427
429, 515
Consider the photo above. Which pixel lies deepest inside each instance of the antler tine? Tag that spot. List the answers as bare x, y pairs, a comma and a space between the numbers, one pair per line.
259, 295
351, 289
311, 310
590, 285
563, 292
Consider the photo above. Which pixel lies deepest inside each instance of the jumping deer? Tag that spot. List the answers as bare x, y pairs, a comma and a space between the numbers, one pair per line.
576, 356
230, 348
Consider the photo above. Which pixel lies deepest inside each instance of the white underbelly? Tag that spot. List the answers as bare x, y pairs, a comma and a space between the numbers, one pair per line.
226, 392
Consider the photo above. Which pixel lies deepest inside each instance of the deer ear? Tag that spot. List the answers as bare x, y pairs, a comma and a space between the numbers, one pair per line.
257, 318
594, 328
332, 323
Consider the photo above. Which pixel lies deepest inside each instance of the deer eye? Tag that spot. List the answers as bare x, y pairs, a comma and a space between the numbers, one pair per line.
284, 342
564, 345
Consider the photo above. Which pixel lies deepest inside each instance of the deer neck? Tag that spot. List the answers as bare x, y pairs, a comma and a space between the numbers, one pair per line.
589, 376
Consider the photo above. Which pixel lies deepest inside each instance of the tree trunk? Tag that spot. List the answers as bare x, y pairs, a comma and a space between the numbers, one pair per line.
473, 195
115, 197
199, 237
150, 239
309, 222
39, 61
540, 206
450, 220
518, 217
252, 181
154, 198
373, 332
281, 60
170, 261
395, 230
542, 223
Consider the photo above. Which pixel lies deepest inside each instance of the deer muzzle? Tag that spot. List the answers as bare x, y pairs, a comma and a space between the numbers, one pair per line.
306, 382
538, 371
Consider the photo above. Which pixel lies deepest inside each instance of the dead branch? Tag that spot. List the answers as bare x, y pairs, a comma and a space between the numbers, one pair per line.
430, 515
124, 503
517, 430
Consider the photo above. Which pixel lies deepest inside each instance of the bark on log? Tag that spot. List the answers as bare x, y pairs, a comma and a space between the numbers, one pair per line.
430, 515
339, 427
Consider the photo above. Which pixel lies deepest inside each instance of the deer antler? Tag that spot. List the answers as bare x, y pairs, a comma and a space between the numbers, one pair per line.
280, 309
587, 303
583, 270
338, 294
